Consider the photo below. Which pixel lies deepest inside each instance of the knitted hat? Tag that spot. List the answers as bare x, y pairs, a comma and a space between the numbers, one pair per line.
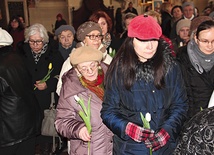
182, 23
144, 27
86, 28
85, 54
63, 28
5, 38
197, 21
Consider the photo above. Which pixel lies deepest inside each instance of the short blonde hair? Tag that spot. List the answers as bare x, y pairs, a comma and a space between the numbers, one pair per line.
154, 14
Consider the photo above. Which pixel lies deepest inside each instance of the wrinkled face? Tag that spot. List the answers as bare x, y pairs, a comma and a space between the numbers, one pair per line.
145, 49
89, 70
36, 42
184, 33
188, 12
14, 24
66, 38
205, 41
93, 39
103, 24
177, 13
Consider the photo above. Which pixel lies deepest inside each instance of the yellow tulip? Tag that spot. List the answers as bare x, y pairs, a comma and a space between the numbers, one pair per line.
50, 66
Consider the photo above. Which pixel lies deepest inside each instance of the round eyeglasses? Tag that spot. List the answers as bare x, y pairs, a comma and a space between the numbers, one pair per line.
93, 37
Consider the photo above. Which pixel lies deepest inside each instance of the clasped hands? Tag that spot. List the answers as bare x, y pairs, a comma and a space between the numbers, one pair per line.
152, 140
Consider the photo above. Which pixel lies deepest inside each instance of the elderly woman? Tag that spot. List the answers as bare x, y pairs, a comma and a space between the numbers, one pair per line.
65, 34
105, 22
89, 34
85, 80
38, 53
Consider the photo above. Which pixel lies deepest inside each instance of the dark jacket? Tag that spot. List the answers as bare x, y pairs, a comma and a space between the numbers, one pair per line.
168, 108
19, 109
166, 23
39, 70
199, 86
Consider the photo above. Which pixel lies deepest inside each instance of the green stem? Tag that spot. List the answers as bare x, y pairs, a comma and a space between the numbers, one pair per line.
150, 151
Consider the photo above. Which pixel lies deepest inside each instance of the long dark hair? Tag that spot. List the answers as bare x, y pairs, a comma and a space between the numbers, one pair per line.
123, 66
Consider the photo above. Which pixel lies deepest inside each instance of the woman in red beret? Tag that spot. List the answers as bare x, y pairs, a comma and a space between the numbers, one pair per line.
144, 79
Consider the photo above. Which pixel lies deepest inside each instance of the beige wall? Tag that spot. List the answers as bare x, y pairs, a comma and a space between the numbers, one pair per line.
45, 12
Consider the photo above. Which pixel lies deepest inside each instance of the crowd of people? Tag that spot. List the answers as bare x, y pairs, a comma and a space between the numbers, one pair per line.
163, 67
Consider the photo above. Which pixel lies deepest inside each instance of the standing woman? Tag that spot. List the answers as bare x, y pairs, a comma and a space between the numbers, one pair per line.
105, 22
197, 65
38, 53
88, 34
144, 78
84, 79
16, 30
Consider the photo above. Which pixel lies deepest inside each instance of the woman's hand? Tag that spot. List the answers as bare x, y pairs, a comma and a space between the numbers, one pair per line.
40, 86
84, 135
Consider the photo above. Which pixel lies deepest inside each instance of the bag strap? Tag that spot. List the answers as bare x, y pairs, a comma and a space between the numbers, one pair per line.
52, 104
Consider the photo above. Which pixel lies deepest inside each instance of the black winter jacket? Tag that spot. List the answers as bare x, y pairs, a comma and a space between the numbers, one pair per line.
19, 109
199, 86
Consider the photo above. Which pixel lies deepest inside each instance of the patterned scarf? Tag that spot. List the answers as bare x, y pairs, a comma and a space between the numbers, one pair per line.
106, 40
37, 56
95, 86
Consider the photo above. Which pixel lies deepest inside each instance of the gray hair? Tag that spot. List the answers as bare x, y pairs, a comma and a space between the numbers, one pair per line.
187, 4
36, 28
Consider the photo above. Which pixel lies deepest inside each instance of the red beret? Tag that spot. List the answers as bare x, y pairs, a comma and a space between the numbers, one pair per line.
144, 27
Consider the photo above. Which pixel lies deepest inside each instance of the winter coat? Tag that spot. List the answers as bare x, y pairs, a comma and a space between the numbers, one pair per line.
39, 70
19, 109
68, 122
168, 108
199, 87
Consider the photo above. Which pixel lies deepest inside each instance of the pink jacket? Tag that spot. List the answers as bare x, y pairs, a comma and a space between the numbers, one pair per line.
68, 122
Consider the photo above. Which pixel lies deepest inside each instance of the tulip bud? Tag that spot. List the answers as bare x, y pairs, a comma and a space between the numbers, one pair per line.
50, 66
76, 98
148, 116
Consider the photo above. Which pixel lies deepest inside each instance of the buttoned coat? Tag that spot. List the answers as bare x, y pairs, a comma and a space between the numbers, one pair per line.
68, 122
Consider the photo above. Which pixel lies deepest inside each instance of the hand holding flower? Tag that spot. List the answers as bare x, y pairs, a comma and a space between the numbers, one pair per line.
39, 84
84, 135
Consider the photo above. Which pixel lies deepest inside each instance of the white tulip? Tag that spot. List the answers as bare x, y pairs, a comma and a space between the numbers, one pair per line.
76, 98
148, 116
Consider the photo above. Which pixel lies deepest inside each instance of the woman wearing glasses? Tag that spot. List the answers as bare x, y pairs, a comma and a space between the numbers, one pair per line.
197, 61
89, 34
105, 22
38, 52
85, 80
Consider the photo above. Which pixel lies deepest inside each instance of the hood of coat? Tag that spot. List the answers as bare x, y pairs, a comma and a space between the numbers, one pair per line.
71, 84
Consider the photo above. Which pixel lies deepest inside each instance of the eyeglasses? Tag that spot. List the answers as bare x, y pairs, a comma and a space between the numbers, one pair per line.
92, 67
206, 42
37, 42
93, 37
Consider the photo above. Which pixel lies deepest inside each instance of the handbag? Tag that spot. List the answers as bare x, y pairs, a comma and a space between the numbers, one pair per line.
48, 128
